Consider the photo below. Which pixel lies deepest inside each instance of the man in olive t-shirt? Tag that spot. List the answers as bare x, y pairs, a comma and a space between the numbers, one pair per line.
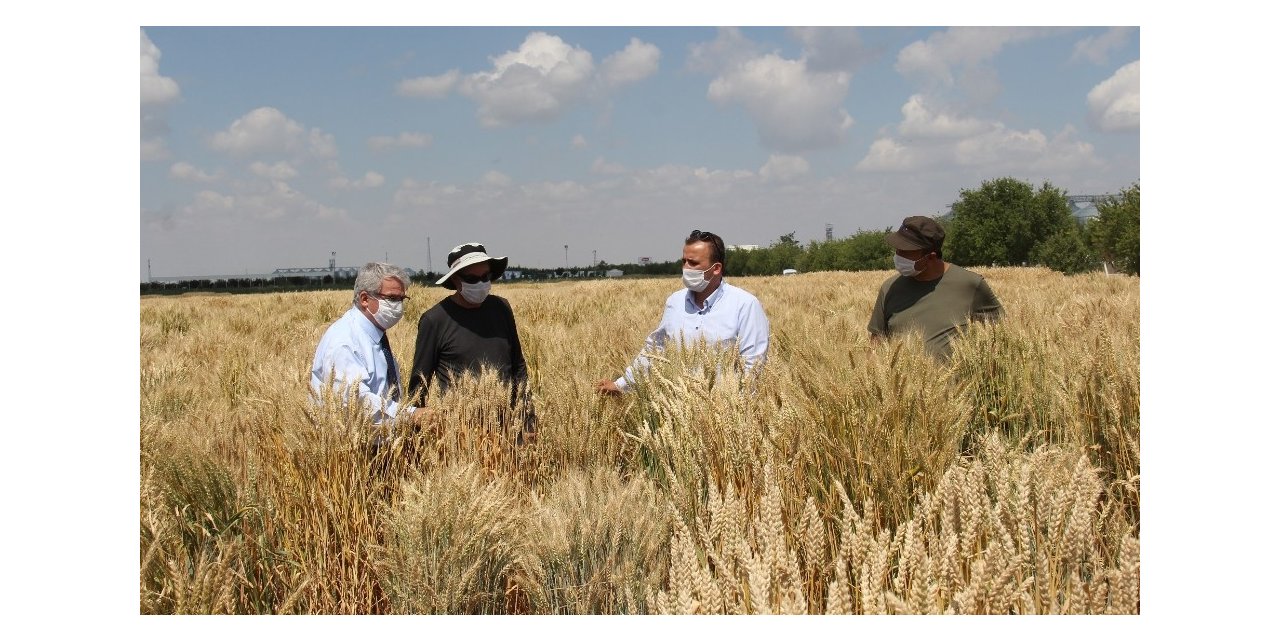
929, 296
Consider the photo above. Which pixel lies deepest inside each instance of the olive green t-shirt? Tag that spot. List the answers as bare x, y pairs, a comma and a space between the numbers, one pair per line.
936, 309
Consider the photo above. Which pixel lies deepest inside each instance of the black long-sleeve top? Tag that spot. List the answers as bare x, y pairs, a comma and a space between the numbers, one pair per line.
454, 341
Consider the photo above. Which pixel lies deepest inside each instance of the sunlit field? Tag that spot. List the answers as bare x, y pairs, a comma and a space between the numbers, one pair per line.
850, 477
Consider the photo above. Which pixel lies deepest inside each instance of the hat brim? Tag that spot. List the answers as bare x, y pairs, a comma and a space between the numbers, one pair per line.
899, 241
497, 265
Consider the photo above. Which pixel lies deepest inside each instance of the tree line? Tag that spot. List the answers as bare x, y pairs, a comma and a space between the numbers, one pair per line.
1008, 222
1004, 222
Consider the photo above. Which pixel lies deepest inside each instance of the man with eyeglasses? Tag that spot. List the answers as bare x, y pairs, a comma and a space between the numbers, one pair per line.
707, 307
355, 350
471, 329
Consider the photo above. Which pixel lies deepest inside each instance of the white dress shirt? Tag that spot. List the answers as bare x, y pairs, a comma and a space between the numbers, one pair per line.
352, 349
729, 315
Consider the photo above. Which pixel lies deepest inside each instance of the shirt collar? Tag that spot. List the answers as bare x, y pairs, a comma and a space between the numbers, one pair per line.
711, 299
366, 325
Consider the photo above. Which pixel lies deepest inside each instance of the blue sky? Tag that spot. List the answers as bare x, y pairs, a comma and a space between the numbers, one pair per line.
266, 147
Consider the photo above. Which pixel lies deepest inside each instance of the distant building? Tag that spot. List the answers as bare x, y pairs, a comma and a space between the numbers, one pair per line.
1085, 212
789, 272
742, 247
317, 273
613, 273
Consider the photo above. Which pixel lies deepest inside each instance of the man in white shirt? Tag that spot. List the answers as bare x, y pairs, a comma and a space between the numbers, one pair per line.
708, 308
355, 351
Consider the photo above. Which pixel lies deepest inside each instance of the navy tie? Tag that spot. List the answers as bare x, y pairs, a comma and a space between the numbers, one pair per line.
393, 376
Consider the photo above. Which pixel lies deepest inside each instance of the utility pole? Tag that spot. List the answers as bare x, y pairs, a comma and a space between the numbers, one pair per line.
828, 232
566, 256
593, 257
429, 255
148, 269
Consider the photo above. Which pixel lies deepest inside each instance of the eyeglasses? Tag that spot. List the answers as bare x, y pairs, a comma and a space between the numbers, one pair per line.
389, 298
702, 236
472, 278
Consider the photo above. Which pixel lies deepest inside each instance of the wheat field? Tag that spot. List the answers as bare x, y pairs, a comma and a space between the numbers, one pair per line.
850, 477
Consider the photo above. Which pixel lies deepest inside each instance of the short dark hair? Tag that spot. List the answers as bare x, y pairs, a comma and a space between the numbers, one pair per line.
717, 245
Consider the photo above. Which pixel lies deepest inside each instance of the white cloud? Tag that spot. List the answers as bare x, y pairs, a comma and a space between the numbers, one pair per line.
1066, 154
831, 48
887, 154
371, 180
602, 167
154, 149
934, 137
429, 86
730, 49
958, 46
1114, 103
493, 178
691, 181
280, 202
931, 140
579, 141
563, 191
999, 145
793, 108
187, 172
277, 171
537, 82
158, 92
413, 193
1097, 49
266, 130
156, 89
1010, 151
960, 58
321, 145
919, 121
782, 168
212, 202
405, 140
636, 62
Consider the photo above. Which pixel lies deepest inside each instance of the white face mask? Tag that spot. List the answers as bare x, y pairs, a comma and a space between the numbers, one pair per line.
475, 293
696, 281
906, 266
389, 313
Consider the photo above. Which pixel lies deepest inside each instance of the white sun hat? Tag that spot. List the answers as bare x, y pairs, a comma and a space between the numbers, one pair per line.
467, 254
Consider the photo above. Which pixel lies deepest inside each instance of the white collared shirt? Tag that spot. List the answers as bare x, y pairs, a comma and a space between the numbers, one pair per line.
729, 315
352, 349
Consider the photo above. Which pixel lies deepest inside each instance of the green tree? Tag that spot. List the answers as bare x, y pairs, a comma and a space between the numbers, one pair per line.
1065, 251
1114, 235
735, 262
864, 251
818, 256
1001, 222
783, 254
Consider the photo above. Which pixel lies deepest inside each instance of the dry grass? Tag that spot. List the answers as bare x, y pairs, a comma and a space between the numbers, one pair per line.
849, 477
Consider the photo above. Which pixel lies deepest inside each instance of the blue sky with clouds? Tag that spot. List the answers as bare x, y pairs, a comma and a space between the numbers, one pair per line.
270, 147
